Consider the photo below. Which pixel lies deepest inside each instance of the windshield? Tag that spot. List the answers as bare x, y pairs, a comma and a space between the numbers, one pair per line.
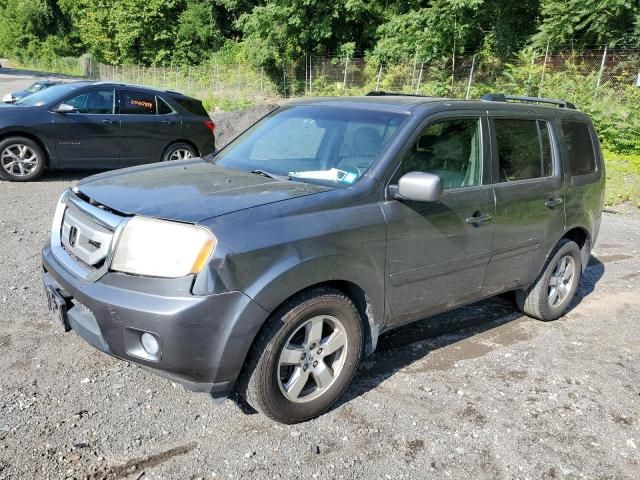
316, 144
46, 96
34, 87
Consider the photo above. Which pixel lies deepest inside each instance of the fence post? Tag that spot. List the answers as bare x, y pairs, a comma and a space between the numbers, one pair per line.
379, 78
310, 76
544, 65
473, 66
420, 77
344, 80
533, 59
604, 58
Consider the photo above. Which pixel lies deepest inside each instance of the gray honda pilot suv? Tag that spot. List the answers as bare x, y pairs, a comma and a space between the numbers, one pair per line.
271, 268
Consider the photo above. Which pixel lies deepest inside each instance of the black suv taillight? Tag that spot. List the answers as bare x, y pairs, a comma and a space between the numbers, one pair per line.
210, 125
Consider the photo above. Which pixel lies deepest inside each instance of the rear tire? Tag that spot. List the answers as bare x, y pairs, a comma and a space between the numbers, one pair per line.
549, 297
179, 151
304, 358
21, 159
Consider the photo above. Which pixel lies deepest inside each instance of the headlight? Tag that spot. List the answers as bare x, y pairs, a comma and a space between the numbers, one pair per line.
7, 98
158, 248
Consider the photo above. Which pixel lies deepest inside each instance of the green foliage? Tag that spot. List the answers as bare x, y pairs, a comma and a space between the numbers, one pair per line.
623, 178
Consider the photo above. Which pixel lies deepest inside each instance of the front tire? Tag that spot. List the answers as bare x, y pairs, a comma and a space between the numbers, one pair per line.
179, 151
21, 159
304, 358
549, 297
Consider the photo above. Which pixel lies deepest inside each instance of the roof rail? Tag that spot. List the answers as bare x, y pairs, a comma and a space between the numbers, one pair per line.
382, 93
501, 97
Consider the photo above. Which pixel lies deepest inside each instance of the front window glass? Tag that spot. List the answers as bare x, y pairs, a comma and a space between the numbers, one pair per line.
96, 102
327, 145
449, 149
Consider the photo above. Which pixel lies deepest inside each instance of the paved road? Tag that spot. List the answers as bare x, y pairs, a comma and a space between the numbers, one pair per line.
504, 397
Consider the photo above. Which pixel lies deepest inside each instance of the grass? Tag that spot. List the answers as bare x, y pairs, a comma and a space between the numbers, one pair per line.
623, 178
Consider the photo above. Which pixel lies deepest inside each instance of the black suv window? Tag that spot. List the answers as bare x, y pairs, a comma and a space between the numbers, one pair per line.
449, 149
582, 160
163, 108
137, 103
524, 149
191, 105
96, 102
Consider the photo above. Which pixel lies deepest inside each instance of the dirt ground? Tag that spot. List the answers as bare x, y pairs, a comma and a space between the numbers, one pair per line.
481, 392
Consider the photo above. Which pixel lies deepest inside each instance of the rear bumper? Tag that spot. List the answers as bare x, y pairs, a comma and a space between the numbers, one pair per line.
203, 339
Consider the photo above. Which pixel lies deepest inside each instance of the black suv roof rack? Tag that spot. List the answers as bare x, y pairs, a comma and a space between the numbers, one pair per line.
382, 93
501, 97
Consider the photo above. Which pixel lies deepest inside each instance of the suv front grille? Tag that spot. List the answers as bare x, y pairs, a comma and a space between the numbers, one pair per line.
88, 241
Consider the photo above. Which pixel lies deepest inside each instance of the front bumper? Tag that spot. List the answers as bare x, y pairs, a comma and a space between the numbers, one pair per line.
203, 339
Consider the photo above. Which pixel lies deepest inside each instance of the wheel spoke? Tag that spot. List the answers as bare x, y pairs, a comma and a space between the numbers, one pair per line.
21, 167
297, 382
553, 281
322, 375
291, 355
553, 295
333, 343
313, 332
568, 273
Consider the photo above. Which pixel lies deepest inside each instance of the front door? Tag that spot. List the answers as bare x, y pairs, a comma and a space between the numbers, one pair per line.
530, 213
437, 252
147, 127
90, 137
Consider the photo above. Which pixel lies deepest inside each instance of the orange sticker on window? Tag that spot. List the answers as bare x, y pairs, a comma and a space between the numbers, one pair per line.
141, 103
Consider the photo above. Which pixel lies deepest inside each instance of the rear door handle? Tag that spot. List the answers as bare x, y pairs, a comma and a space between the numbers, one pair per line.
109, 122
168, 122
477, 218
553, 202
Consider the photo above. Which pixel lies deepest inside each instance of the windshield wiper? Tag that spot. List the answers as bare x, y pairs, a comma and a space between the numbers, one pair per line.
275, 176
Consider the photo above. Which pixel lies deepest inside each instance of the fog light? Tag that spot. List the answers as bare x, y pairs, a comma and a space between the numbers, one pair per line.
149, 343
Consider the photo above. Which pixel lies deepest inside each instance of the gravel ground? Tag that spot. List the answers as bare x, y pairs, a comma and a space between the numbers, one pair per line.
487, 394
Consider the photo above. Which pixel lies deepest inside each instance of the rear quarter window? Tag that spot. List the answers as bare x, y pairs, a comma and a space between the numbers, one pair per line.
191, 105
580, 150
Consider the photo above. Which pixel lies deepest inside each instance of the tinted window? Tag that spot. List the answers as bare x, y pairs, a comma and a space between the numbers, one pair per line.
163, 108
324, 145
137, 103
449, 149
97, 102
524, 149
191, 105
577, 139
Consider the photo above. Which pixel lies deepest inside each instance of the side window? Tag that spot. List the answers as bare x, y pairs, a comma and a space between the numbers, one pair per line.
96, 102
163, 108
137, 103
524, 149
582, 160
450, 149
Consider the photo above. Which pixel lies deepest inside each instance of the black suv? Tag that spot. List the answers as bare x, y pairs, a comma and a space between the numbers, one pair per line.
94, 125
272, 267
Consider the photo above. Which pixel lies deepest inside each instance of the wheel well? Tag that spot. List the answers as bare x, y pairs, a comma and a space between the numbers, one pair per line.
362, 303
30, 137
188, 142
582, 239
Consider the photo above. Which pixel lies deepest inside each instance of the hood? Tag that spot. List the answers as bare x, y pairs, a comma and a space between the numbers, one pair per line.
188, 191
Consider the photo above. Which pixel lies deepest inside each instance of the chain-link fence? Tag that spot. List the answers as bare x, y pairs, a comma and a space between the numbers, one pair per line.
459, 76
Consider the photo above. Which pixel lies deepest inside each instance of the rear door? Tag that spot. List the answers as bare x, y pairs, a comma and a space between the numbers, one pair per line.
437, 252
90, 137
149, 126
530, 215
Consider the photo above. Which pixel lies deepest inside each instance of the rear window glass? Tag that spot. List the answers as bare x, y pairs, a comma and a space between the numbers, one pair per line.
524, 149
137, 103
191, 105
582, 160
163, 108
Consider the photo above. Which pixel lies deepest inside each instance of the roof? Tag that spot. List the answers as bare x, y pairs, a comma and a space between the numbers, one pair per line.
83, 83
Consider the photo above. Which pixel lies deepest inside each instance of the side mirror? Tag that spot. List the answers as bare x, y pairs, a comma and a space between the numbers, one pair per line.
418, 187
65, 108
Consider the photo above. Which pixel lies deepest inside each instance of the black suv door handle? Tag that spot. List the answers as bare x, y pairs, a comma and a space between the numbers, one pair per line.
110, 122
168, 122
477, 218
553, 202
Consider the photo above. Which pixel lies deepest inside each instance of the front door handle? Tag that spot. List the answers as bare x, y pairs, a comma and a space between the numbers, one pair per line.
553, 202
477, 218
109, 122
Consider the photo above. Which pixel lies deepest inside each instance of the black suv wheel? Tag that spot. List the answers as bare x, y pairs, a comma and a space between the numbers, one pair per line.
21, 159
304, 358
179, 151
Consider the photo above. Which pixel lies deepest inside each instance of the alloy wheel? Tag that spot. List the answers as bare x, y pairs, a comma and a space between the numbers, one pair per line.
561, 280
19, 160
180, 154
